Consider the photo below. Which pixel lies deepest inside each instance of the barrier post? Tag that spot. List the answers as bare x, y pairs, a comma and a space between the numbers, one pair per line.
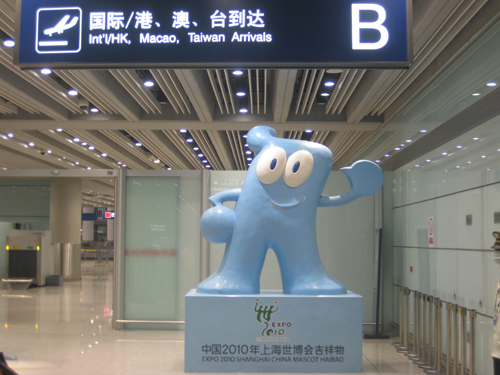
472, 341
463, 312
449, 307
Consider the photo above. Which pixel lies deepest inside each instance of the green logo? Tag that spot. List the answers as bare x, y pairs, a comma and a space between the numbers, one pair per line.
264, 316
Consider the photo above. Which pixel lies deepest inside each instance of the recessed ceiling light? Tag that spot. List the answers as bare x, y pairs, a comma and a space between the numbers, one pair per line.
387, 155
31, 144
248, 152
104, 154
190, 140
208, 166
149, 83
45, 71
308, 130
445, 153
138, 144
458, 166
459, 146
157, 161
241, 93
124, 165
196, 148
417, 165
183, 130
402, 145
77, 162
249, 159
408, 141
118, 162
476, 94
377, 161
169, 169
94, 110
428, 160
204, 161
325, 94
483, 156
72, 92
9, 43
491, 84
89, 168
84, 143
49, 151
244, 135
476, 138
10, 135
469, 162
423, 131
238, 72
200, 155
243, 110
59, 130
76, 139
397, 148
329, 83
91, 148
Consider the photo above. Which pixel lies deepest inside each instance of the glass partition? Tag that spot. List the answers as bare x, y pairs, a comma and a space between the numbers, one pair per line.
162, 247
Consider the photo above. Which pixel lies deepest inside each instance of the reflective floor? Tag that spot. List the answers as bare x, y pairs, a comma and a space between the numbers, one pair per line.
66, 330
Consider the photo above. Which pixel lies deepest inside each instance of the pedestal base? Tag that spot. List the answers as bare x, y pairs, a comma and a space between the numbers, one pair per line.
273, 332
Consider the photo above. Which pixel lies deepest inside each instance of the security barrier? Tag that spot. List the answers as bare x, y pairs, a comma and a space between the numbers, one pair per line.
421, 333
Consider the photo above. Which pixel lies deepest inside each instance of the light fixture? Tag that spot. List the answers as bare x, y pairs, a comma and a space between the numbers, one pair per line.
124, 165
417, 165
45, 71
408, 141
248, 152
308, 131
119, 162
189, 140
200, 155
329, 83
10, 135
76, 139
423, 131
240, 93
104, 154
483, 156
428, 160
491, 84
59, 130
72, 92
204, 161
377, 161
196, 148
445, 153
157, 161
49, 151
148, 80
476, 138
138, 144
208, 166
31, 144
183, 131
77, 162
459, 146
325, 94
387, 155
476, 94
9, 42
91, 148
169, 169
397, 148
249, 159
245, 136
238, 72
89, 168
243, 104
84, 143
94, 109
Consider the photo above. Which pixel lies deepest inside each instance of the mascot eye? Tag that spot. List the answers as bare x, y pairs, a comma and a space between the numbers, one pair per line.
298, 168
271, 165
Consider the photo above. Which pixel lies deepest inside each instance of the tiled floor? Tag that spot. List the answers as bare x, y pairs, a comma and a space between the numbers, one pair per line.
67, 331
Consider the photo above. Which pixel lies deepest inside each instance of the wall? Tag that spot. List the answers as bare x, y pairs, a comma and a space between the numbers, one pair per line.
25, 201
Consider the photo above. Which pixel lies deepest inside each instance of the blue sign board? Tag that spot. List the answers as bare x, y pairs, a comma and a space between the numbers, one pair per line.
218, 33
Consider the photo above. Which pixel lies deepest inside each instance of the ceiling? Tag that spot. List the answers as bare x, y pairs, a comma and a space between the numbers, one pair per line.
43, 127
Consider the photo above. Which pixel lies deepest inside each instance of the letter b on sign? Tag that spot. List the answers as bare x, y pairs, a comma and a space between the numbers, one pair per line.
357, 25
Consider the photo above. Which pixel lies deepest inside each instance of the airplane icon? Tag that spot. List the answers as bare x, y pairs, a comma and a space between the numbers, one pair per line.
61, 26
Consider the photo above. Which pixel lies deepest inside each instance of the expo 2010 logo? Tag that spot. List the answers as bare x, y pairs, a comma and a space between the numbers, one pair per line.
264, 316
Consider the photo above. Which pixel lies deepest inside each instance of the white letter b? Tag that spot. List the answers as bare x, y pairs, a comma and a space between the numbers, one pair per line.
377, 25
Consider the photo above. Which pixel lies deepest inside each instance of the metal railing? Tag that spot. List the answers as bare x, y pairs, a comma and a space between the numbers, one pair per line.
424, 343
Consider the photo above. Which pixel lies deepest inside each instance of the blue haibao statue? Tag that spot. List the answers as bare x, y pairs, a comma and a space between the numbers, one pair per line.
276, 208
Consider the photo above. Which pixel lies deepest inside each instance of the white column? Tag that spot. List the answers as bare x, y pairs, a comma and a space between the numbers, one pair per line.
88, 226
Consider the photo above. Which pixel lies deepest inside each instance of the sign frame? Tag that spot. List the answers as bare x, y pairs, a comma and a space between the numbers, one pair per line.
221, 64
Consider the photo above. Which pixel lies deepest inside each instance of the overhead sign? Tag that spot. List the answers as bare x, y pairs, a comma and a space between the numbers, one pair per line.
219, 33
108, 214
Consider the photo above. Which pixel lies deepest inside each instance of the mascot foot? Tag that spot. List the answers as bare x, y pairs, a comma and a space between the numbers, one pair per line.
217, 284
326, 285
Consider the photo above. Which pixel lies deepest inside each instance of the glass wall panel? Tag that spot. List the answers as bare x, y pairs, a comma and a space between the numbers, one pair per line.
162, 248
